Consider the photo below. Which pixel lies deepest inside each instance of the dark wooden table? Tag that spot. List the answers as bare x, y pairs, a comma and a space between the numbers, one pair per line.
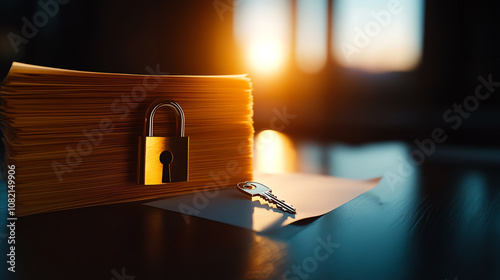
440, 222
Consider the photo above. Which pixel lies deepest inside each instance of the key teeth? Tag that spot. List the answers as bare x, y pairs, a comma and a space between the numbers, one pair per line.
272, 200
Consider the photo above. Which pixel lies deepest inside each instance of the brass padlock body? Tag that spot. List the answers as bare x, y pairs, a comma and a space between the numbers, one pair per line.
150, 149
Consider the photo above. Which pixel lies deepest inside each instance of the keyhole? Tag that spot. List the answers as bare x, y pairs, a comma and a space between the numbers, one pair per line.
166, 158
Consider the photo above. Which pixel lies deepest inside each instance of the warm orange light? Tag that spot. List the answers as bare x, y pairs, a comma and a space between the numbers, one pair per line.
262, 29
266, 55
274, 153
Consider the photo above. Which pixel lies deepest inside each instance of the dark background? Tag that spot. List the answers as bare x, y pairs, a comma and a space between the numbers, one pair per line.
461, 42
440, 222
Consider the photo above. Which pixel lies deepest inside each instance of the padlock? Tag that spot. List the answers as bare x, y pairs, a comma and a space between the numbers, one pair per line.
163, 159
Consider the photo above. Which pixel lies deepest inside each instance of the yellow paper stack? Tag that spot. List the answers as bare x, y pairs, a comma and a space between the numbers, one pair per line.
73, 135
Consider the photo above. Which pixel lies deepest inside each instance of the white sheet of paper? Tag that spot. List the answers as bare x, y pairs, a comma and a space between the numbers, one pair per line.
311, 195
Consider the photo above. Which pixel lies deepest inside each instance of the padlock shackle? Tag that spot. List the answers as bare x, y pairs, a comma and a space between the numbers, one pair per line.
164, 103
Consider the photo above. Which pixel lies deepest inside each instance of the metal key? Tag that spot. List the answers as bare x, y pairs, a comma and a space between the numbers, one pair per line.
258, 189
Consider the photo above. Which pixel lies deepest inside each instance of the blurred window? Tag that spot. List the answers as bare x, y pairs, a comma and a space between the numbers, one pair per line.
378, 36
312, 23
371, 35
